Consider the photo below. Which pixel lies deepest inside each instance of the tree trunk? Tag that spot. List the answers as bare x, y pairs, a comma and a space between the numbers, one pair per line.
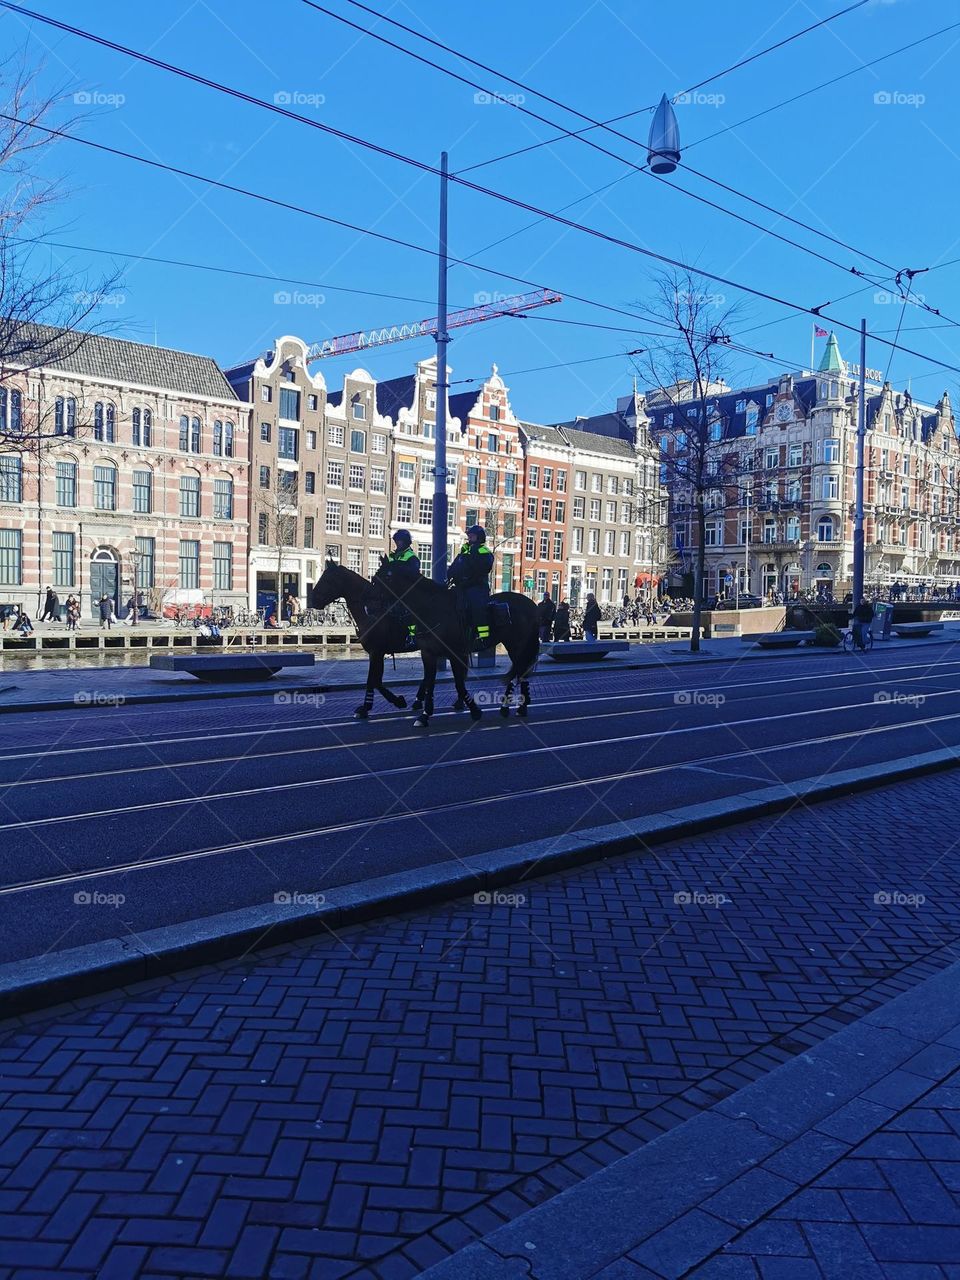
698, 574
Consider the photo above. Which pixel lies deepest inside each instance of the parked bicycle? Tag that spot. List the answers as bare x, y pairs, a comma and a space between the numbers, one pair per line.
852, 643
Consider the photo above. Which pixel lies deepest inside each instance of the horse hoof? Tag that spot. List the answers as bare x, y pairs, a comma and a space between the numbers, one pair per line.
504, 712
421, 722
401, 703
459, 705
475, 712
361, 713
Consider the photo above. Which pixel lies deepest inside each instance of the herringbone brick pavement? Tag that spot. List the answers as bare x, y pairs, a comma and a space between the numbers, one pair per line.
364, 1105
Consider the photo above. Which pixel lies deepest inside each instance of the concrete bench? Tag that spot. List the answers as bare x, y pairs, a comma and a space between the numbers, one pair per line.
230, 668
583, 650
781, 639
915, 630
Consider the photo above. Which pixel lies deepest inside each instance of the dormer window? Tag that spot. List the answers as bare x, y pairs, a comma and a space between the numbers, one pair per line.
357, 408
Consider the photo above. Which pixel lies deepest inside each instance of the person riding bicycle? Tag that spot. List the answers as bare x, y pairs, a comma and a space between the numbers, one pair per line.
862, 618
470, 575
399, 571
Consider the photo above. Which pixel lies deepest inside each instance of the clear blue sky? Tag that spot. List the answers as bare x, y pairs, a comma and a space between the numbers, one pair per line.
882, 175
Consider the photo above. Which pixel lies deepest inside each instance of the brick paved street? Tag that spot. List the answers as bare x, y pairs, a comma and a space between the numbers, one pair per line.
365, 1105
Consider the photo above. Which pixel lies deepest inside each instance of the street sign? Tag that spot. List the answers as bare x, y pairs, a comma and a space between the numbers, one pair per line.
528, 583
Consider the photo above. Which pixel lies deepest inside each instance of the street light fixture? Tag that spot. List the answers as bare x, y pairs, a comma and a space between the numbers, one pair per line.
663, 144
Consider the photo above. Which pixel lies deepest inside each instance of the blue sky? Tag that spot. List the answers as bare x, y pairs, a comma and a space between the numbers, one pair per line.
880, 174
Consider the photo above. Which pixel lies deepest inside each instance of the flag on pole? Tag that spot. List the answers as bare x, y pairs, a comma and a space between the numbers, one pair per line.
819, 333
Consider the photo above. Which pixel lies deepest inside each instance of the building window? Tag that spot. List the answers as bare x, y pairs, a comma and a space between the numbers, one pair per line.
262, 528
509, 525
189, 579
561, 481
309, 482
795, 456
378, 443
378, 480
578, 505
357, 409
105, 488
406, 471
611, 513
578, 541
425, 511
831, 450
332, 552
375, 522
195, 435
510, 485
218, 439
335, 475
355, 519
793, 528
546, 509
264, 477
146, 562
143, 492
11, 411
290, 404
594, 508
266, 393
825, 529
769, 530
223, 566
66, 484
831, 487
558, 545
533, 477
753, 414
335, 436
222, 499
624, 544
312, 403
530, 544
309, 537
11, 557
561, 511
98, 420
190, 497
11, 478
334, 517
287, 443
358, 442
311, 439
63, 560
494, 413
135, 431
594, 542
493, 482
473, 479
405, 508
184, 434
356, 475
609, 539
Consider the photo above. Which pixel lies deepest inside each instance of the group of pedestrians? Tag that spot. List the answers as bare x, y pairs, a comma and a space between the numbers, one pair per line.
555, 619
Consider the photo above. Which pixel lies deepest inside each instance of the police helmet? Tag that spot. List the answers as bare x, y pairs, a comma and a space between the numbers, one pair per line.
402, 538
479, 530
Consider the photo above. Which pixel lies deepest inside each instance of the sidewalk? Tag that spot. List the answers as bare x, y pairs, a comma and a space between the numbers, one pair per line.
376, 1102
82, 686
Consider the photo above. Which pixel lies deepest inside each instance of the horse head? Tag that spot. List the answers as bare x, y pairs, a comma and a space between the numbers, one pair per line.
329, 586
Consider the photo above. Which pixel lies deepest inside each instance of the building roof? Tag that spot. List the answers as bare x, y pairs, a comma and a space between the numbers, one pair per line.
395, 394
462, 405
831, 362
117, 360
538, 434
734, 418
591, 442
614, 426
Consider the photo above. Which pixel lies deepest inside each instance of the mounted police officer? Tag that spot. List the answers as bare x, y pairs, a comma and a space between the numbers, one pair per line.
399, 570
470, 574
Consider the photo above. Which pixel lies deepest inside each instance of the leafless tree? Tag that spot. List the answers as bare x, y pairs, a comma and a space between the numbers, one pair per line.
45, 310
278, 504
685, 372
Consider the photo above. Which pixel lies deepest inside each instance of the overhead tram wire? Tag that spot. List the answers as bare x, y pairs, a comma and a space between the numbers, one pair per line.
253, 100
423, 166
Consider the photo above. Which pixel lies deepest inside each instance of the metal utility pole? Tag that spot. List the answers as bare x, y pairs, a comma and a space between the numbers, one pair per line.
861, 438
439, 561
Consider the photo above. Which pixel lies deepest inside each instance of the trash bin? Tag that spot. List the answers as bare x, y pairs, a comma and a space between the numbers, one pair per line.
882, 620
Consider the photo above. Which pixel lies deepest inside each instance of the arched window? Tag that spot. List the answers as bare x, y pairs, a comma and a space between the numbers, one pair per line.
793, 528
111, 425
825, 529
98, 420
136, 426
195, 435
71, 416
190, 495
228, 441
184, 433
222, 498
105, 486
218, 438
11, 411
58, 416
147, 428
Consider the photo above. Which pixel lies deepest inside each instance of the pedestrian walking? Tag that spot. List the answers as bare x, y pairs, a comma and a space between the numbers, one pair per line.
546, 612
106, 612
591, 617
561, 623
51, 607
73, 613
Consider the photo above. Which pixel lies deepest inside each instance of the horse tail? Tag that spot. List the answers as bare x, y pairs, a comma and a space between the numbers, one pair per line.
522, 665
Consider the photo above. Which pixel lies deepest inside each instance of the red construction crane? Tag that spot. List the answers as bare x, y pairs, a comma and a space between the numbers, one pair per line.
511, 305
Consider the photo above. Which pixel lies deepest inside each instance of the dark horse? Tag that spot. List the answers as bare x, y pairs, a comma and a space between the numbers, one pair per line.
440, 634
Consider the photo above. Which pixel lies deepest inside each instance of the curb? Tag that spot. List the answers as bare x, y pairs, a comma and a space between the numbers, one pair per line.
190, 694
41, 981
666, 1208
